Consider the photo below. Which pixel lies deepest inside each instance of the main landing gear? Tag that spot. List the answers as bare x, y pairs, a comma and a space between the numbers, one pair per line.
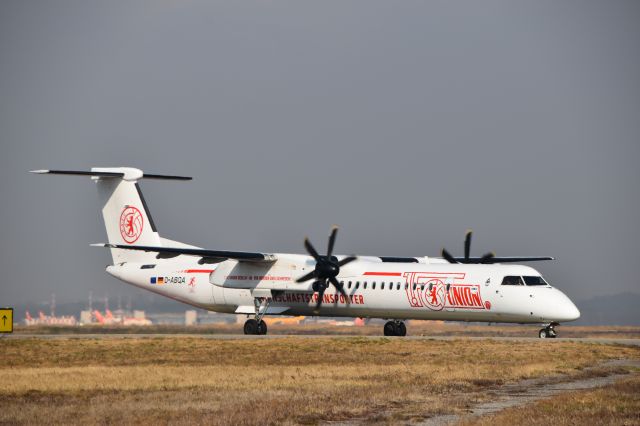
257, 326
548, 332
395, 328
252, 326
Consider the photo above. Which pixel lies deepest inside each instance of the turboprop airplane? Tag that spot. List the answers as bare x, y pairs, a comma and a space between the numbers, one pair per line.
479, 289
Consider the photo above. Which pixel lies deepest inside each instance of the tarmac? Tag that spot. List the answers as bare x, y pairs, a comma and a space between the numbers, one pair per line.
601, 341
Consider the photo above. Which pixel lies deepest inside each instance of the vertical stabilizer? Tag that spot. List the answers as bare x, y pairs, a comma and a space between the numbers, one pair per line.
124, 210
126, 218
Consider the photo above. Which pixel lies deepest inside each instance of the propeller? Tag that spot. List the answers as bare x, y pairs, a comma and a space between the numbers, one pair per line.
327, 268
486, 258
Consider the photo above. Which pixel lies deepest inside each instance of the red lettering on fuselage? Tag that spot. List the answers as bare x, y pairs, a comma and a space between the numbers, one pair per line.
440, 290
329, 298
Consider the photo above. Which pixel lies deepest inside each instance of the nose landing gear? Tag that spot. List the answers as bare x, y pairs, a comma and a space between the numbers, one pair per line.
395, 328
548, 332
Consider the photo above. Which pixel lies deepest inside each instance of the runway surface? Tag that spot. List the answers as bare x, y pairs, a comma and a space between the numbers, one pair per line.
602, 341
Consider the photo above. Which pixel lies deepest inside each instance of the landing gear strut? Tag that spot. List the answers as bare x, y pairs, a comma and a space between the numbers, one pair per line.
548, 332
258, 326
395, 328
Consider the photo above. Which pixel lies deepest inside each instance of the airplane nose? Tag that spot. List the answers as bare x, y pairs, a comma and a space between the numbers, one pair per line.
572, 311
568, 310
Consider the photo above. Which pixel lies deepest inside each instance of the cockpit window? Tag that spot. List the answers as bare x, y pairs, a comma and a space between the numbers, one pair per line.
512, 280
535, 281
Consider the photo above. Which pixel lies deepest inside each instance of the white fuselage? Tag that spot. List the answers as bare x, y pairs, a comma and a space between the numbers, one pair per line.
427, 290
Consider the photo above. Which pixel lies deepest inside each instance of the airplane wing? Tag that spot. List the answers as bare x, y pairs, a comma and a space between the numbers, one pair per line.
207, 256
509, 259
494, 259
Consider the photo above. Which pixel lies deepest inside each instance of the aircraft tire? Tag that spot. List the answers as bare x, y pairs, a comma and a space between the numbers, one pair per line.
390, 328
262, 328
543, 333
401, 329
251, 327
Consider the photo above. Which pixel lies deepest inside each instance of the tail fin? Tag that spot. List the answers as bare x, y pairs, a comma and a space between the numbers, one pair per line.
124, 210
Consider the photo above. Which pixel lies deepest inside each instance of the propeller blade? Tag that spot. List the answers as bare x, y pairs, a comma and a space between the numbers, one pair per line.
340, 288
323, 288
448, 256
306, 277
332, 239
310, 249
488, 257
467, 244
347, 260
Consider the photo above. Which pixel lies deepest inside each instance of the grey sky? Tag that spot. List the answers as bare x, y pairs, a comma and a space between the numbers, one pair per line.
404, 122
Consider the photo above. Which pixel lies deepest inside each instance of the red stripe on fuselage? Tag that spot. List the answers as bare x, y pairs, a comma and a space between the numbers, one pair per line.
198, 271
385, 274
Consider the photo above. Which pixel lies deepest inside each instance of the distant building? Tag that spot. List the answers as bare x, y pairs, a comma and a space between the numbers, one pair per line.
85, 317
190, 317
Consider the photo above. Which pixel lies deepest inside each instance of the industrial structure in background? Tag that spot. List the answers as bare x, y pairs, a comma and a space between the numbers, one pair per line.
88, 317
128, 316
51, 319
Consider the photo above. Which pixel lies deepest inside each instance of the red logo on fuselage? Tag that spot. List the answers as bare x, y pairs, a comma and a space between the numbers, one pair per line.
131, 224
437, 290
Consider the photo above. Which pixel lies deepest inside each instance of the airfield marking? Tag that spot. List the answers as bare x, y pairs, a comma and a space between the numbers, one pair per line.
6, 320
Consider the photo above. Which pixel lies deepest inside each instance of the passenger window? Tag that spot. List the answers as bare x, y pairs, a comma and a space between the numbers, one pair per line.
382, 286
373, 285
421, 287
349, 284
414, 286
365, 285
406, 286
512, 280
357, 285
398, 287
534, 281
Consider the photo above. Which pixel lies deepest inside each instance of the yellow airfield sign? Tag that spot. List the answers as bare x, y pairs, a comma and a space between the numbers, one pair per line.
6, 320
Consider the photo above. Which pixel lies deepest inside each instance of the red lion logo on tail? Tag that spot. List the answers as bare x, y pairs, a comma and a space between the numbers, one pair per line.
131, 224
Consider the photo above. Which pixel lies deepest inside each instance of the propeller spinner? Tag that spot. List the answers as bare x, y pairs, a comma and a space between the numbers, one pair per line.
327, 268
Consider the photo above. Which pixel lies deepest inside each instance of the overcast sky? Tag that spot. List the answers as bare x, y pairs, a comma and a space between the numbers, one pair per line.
404, 122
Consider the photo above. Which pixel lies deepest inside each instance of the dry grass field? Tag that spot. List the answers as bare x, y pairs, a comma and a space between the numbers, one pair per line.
291, 380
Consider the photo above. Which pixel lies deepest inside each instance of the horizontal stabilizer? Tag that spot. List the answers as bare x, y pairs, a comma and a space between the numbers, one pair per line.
208, 256
78, 173
126, 173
